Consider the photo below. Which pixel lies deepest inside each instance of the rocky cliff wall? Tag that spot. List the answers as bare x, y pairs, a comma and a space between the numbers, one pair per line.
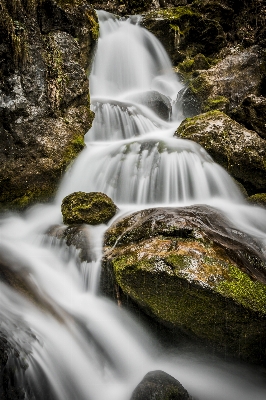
46, 48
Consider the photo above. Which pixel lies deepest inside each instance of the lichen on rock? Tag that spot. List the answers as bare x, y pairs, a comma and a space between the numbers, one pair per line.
240, 151
182, 267
87, 208
46, 51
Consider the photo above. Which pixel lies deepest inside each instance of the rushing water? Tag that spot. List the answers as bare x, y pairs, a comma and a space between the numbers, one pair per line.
76, 344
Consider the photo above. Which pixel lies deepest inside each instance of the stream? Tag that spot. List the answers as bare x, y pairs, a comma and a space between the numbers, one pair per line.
75, 343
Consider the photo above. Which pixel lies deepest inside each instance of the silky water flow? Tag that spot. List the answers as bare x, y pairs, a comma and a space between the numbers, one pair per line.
73, 343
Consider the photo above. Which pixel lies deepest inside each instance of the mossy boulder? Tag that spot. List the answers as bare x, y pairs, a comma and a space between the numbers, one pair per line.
46, 49
240, 151
191, 270
160, 386
258, 199
87, 208
226, 84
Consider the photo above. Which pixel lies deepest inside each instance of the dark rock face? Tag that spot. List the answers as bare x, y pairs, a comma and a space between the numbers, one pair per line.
191, 271
87, 208
46, 49
74, 235
159, 385
252, 114
240, 151
156, 101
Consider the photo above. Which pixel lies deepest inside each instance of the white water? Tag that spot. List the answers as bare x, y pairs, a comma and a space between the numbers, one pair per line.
87, 348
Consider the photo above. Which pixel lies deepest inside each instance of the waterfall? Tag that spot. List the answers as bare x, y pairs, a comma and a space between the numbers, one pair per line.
76, 344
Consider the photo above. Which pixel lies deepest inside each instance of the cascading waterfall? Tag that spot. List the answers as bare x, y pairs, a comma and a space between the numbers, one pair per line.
76, 344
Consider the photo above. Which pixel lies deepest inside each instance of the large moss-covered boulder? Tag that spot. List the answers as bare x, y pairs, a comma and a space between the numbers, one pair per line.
191, 270
46, 49
240, 151
87, 208
160, 386
225, 86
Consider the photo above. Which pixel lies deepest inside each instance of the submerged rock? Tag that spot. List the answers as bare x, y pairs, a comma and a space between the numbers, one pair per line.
46, 48
191, 270
156, 101
240, 151
87, 208
160, 386
74, 235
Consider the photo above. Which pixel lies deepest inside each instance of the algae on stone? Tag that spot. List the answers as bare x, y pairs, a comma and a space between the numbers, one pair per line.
87, 208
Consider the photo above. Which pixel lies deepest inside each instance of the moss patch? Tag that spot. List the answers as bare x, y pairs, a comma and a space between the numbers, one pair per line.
87, 208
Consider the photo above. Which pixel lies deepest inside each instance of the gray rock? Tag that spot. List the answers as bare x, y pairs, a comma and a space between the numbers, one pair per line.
240, 151
159, 385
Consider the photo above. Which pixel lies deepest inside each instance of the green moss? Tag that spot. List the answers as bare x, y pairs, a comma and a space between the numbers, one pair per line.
258, 199
87, 208
72, 150
217, 103
172, 12
241, 288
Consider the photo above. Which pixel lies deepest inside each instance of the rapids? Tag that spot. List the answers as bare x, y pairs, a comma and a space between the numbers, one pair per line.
75, 343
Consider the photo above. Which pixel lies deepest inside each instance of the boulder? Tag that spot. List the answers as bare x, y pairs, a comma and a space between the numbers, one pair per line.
74, 235
252, 114
240, 151
160, 386
156, 101
46, 49
191, 271
225, 85
87, 208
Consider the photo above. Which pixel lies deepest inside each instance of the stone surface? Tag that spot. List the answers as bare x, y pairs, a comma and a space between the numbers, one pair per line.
46, 49
230, 81
87, 208
252, 114
74, 235
191, 270
156, 101
159, 385
240, 151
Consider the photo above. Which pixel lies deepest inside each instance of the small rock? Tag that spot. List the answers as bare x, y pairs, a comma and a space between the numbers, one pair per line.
159, 385
87, 208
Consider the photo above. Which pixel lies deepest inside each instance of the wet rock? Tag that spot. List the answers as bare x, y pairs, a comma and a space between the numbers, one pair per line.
74, 235
183, 30
46, 49
252, 114
156, 101
230, 81
258, 199
240, 151
87, 208
160, 386
191, 270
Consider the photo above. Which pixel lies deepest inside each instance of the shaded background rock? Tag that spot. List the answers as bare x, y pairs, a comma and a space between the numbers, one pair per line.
240, 151
46, 49
193, 272
159, 385
87, 208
